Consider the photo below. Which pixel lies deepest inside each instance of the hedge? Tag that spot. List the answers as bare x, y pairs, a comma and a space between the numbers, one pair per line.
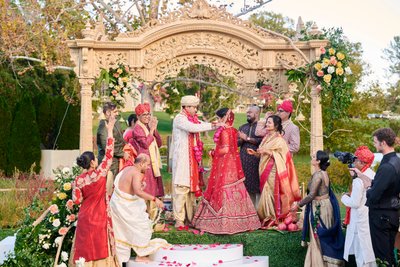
24, 142
5, 127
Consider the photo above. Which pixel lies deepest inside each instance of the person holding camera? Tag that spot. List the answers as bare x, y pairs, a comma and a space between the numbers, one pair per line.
358, 238
383, 197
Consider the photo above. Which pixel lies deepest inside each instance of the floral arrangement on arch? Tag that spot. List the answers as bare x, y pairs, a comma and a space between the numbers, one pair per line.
117, 82
331, 67
48, 240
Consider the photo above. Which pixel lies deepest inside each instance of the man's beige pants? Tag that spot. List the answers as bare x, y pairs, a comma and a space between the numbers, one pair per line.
183, 203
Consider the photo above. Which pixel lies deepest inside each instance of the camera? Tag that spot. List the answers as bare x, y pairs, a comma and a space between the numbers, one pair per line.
345, 158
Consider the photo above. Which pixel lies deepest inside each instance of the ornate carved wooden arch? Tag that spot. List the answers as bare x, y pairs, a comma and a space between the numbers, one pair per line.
196, 34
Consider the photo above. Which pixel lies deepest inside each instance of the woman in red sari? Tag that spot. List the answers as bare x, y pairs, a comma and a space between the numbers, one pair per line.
94, 242
278, 180
226, 207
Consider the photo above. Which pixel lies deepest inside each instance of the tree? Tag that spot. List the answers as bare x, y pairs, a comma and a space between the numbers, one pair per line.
275, 22
392, 54
203, 81
366, 102
24, 143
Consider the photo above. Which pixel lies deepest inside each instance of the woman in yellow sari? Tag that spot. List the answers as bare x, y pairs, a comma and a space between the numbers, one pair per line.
278, 179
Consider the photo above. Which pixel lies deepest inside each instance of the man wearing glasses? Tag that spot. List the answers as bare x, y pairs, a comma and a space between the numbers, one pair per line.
147, 140
291, 131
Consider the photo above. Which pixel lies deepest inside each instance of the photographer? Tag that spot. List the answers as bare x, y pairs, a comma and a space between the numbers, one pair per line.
382, 192
358, 239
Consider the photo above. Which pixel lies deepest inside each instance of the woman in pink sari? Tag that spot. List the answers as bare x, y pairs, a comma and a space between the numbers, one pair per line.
94, 241
278, 180
226, 207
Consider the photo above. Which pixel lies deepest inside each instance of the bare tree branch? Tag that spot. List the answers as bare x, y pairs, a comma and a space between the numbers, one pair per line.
117, 17
245, 11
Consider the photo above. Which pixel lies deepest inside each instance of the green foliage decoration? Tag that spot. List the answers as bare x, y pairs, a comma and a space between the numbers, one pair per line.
37, 245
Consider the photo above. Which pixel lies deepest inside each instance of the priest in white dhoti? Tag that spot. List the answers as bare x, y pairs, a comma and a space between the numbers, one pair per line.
131, 223
187, 151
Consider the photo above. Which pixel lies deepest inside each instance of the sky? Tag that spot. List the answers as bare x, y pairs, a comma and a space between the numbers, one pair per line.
373, 23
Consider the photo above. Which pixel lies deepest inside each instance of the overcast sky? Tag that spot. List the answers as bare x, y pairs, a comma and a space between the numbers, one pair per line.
373, 23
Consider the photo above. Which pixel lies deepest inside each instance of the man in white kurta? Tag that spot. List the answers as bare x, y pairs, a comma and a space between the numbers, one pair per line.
131, 224
358, 239
183, 127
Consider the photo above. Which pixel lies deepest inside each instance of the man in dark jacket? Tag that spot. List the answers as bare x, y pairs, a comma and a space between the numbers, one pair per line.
119, 143
383, 196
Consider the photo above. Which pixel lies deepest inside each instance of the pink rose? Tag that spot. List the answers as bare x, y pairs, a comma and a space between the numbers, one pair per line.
333, 61
63, 231
323, 50
53, 209
71, 218
70, 204
320, 73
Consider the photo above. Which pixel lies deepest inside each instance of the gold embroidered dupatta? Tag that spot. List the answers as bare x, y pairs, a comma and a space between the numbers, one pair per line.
286, 187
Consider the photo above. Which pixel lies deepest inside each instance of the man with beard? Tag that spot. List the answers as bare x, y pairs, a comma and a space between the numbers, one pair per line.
248, 139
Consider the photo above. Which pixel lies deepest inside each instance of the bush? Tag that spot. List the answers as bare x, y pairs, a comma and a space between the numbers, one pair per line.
68, 126
283, 249
24, 142
5, 127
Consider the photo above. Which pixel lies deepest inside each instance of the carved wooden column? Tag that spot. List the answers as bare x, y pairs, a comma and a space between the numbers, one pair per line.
317, 141
86, 136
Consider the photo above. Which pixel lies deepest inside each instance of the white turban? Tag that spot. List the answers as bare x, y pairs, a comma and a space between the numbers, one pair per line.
190, 101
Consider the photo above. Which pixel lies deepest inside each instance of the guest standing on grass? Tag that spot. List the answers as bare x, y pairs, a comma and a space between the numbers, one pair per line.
322, 218
94, 240
147, 140
383, 197
278, 179
248, 139
358, 238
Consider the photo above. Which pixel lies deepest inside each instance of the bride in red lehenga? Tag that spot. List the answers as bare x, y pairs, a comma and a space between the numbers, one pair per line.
226, 207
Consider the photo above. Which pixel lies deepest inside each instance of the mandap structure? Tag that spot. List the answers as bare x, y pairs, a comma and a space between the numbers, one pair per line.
195, 34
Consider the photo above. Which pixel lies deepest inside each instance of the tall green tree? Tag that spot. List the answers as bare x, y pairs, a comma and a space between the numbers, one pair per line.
392, 54
275, 22
5, 127
24, 142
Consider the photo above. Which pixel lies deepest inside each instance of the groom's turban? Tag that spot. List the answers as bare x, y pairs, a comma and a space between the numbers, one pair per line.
142, 108
190, 101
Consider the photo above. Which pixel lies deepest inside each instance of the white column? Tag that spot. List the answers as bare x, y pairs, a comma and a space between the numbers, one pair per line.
86, 136
316, 140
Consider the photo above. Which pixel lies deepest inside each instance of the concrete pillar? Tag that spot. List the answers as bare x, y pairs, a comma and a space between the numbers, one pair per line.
86, 136
317, 141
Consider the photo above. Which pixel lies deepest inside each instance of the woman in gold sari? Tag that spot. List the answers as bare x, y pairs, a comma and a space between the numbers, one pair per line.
278, 180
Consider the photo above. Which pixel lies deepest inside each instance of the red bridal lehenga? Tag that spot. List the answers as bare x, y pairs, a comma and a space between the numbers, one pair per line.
226, 207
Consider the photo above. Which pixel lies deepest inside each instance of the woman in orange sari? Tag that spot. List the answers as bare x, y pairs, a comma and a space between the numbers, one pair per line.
278, 179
